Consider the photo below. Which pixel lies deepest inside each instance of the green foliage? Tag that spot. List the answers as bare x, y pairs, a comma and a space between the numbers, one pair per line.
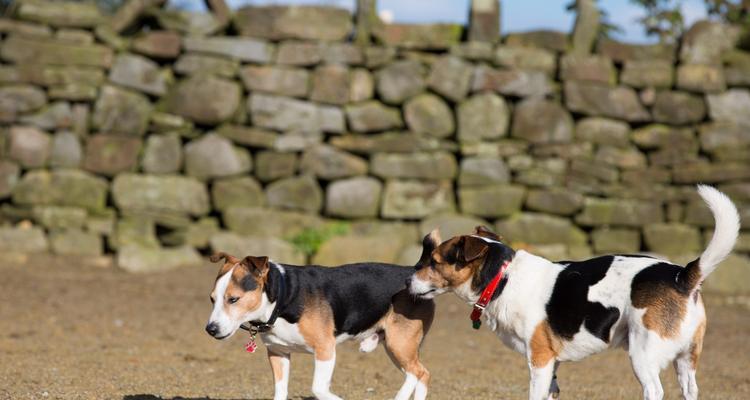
663, 19
309, 240
732, 11
606, 27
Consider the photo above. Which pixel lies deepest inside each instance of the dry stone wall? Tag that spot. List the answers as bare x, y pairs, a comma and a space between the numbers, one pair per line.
156, 134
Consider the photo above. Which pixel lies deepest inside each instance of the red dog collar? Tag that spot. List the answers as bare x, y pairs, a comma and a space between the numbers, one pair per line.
486, 297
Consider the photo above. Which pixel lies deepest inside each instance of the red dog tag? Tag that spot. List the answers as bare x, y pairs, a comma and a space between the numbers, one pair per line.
251, 346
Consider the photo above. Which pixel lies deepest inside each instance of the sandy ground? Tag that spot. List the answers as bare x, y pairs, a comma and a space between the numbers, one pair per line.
69, 331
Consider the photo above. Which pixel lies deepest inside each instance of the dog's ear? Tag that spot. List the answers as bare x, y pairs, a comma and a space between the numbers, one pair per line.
223, 256
473, 248
483, 231
257, 266
430, 242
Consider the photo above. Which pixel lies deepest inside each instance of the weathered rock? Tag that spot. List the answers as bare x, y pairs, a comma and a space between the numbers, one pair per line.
590, 68
357, 197
276, 249
438, 165
195, 235
373, 116
163, 154
214, 156
242, 49
120, 111
76, 242
158, 44
491, 201
19, 99
705, 42
554, 201
175, 194
351, 248
723, 135
25, 28
286, 114
61, 187
414, 199
57, 217
511, 82
678, 108
473, 50
200, 64
327, 162
298, 53
737, 67
111, 154
361, 85
483, 116
246, 136
731, 278
660, 136
23, 240
480, 171
617, 241
283, 81
400, 80
543, 39
622, 157
672, 239
430, 115
190, 97
191, 23
420, 36
137, 259
241, 191
296, 141
162, 122
256, 221
28, 146
598, 100
525, 58
730, 106
450, 77
700, 172
57, 115
657, 74
623, 52
139, 73
342, 53
536, 228
547, 172
331, 84
272, 165
542, 121
60, 14
597, 212
26, 50
602, 131
701, 78
134, 231
394, 142
9, 175
500, 148
294, 22
300, 193
484, 22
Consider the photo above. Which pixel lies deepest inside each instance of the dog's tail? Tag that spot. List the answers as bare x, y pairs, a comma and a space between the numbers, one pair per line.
727, 226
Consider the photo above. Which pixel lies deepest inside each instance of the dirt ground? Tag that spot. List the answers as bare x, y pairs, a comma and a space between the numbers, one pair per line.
69, 331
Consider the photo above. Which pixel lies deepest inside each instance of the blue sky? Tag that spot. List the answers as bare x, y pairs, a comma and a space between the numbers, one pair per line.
517, 15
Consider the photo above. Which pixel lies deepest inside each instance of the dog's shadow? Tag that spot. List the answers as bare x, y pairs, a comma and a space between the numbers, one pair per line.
153, 397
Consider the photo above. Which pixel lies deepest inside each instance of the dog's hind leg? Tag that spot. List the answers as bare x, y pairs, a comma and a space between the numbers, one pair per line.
280, 367
686, 365
554, 388
540, 380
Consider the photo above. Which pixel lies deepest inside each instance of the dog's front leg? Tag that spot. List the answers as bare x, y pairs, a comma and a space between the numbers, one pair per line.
325, 361
540, 380
280, 366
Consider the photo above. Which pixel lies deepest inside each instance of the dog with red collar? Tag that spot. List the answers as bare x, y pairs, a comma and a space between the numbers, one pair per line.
310, 309
565, 311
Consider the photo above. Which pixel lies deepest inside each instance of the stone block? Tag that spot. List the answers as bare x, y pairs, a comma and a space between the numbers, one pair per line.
201, 64
111, 154
701, 78
243, 191
373, 116
525, 58
511, 82
284, 81
256, 221
616, 240
60, 14
300, 193
241, 49
298, 53
272, 165
483, 116
331, 84
672, 239
624, 52
137, 259
189, 98
730, 106
641, 74
542, 121
139, 73
420, 36
554, 201
294, 22
26, 50
357, 197
158, 44
23, 240
602, 131
28, 146
57, 217
400, 80
174, 194
9, 176
286, 114
431, 166
481, 171
162, 154
590, 68
16, 100
619, 212
415, 199
120, 111
76, 242
534, 228
214, 156
450, 77
599, 100
706, 41
327, 162
351, 248
491, 201
61, 187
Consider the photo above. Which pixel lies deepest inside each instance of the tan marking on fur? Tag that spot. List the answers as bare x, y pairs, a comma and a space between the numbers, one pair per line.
317, 327
544, 345
696, 347
248, 301
442, 273
276, 365
405, 325
665, 308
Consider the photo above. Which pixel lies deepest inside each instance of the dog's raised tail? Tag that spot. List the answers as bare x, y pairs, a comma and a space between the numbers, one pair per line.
726, 229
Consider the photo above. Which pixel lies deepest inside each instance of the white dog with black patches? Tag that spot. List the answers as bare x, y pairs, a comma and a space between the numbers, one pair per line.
565, 311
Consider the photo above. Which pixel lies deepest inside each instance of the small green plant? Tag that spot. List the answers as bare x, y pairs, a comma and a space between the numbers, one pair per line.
309, 240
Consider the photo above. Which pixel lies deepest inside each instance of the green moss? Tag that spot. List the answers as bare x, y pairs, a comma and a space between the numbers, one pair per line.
309, 240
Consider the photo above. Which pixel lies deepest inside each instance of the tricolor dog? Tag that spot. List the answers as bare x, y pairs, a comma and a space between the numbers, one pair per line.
311, 309
564, 311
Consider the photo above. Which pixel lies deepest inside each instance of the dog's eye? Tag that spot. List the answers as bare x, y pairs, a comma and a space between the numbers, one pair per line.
232, 300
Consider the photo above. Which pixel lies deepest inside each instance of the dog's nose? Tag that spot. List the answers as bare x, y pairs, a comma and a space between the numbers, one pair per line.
212, 329
408, 281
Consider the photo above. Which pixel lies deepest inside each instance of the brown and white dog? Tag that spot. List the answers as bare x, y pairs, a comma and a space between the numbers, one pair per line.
565, 311
311, 309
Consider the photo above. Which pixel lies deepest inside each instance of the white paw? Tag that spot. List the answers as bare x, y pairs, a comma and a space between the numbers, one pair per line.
554, 396
370, 343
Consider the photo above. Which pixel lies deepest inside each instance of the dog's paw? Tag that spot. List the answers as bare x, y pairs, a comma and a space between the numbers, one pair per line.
554, 396
369, 343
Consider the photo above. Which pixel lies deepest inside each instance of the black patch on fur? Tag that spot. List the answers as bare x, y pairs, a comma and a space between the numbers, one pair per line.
568, 307
497, 255
248, 283
359, 294
659, 277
